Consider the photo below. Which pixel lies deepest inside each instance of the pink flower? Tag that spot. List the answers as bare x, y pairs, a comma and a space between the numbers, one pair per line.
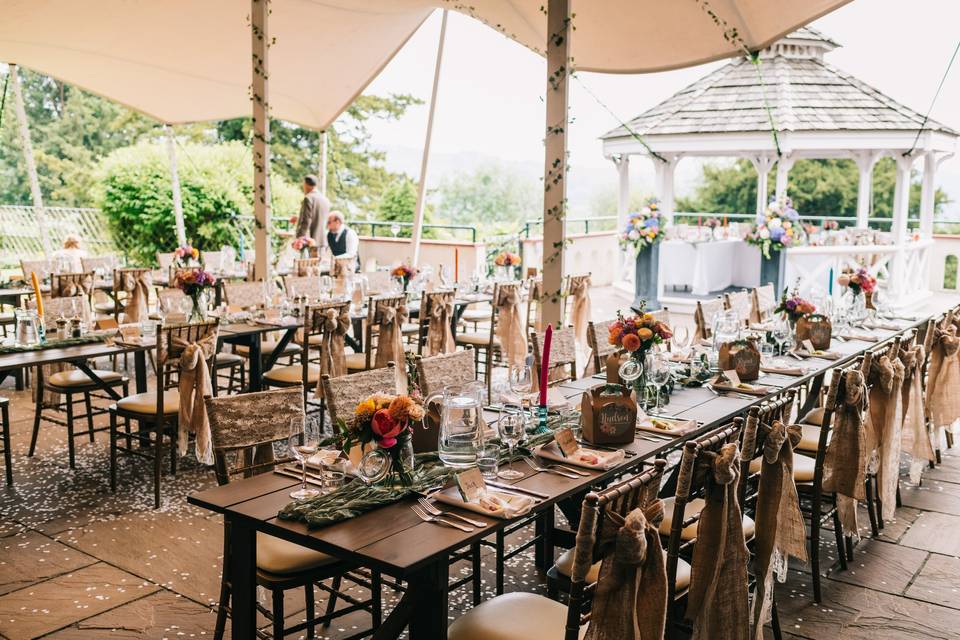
385, 428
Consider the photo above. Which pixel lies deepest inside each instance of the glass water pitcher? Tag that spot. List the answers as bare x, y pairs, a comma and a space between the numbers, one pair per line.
461, 423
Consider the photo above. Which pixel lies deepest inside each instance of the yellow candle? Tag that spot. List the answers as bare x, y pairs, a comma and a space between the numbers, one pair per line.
36, 292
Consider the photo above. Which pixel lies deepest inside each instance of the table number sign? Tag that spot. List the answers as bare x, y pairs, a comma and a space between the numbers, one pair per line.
808, 345
609, 415
130, 333
741, 355
471, 484
733, 377
566, 442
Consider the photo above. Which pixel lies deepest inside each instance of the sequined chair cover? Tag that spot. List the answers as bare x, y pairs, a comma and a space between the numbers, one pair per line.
763, 300
742, 303
343, 393
43, 268
246, 295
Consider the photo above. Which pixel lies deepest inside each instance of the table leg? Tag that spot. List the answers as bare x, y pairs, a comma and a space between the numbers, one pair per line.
455, 320
813, 394
140, 370
243, 579
278, 351
430, 621
256, 363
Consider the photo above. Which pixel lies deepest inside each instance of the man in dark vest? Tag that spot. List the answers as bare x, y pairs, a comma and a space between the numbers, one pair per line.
341, 239
313, 211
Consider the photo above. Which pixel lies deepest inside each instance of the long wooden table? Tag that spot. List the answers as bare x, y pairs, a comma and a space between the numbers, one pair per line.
395, 541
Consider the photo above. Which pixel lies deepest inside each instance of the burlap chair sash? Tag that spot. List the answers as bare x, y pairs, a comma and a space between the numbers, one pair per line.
390, 344
845, 461
580, 292
333, 361
137, 288
883, 434
536, 297
193, 387
779, 523
943, 380
439, 331
509, 325
633, 578
74, 284
915, 438
717, 602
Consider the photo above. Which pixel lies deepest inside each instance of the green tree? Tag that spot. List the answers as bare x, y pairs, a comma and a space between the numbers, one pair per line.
490, 197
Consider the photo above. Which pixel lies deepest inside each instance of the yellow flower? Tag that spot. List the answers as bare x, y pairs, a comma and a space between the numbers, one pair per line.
365, 410
644, 334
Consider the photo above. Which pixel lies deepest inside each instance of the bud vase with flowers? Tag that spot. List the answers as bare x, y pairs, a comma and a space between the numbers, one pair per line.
381, 424
406, 273
859, 284
303, 245
793, 307
196, 283
506, 264
636, 335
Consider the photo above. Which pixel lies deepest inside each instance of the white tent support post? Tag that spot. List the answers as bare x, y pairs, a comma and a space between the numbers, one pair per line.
555, 158
323, 163
784, 164
762, 165
927, 193
622, 163
425, 160
865, 160
260, 40
175, 187
29, 160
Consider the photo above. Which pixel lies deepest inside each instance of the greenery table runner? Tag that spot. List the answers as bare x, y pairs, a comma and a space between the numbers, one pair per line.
52, 344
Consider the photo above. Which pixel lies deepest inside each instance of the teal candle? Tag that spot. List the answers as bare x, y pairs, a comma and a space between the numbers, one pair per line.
830, 282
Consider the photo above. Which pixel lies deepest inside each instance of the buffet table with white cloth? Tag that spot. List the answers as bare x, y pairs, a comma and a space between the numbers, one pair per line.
709, 266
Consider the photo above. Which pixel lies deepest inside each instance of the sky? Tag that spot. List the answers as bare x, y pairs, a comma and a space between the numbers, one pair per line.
490, 106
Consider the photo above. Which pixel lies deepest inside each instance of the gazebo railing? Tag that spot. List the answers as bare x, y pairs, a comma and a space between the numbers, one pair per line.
881, 224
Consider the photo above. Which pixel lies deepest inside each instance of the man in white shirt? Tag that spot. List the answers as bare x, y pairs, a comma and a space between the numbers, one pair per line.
341, 239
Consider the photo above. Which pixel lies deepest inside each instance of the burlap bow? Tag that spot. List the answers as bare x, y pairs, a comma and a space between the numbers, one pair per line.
82, 285
333, 362
779, 525
509, 326
718, 601
943, 379
845, 461
915, 438
630, 602
137, 288
439, 333
886, 422
580, 292
194, 385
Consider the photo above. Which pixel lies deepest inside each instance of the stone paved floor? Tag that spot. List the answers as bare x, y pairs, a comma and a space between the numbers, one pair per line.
79, 562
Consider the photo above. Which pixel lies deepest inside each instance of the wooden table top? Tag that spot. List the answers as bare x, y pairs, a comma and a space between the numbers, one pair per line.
394, 540
21, 359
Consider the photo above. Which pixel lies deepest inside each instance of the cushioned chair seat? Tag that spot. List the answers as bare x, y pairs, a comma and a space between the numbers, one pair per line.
108, 306
410, 327
513, 616
476, 314
292, 374
147, 402
281, 557
803, 467
77, 378
475, 338
694, 507
810, 441
267, 347
357, 361
564, 565
814, 417
224, 359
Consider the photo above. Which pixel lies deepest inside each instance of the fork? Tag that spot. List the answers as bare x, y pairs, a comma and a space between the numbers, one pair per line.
434, 511
426, 517
535, 467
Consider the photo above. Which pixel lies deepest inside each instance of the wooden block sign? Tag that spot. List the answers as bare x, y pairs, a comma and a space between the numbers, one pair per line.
816, 328
609, 415
743, 356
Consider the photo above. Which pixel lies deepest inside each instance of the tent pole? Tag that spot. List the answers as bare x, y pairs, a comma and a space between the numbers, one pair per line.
28, 158
323, 163
422, 187
555, 158
175, 184
259, 28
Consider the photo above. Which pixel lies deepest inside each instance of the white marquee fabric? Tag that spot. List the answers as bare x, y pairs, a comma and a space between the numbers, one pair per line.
189, 60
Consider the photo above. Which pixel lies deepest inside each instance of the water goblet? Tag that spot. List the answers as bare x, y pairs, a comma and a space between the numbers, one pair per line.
521, 381
659, 375
304, 441
512, 430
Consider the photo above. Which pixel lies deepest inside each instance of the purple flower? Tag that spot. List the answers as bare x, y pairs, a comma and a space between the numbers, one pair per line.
651, 222
776, 233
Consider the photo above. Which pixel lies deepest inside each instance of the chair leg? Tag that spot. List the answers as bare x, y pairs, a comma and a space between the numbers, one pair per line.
113, 451
815, 516
871, 508
5, 425
157, 461
499, 568
37, 413
775, 619
277, 614
332, 602
841, 549
949, 435
376, 598
878, 504
89, 407
310, 610
71, 450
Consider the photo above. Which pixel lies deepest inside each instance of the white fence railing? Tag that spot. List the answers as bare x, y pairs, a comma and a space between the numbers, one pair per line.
20, 234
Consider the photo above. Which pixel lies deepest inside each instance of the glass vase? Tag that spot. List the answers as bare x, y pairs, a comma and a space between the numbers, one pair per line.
198, 310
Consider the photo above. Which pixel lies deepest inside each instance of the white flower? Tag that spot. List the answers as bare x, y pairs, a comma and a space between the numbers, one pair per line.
775, 223
787, 224
634, 235
764, 234
646, 211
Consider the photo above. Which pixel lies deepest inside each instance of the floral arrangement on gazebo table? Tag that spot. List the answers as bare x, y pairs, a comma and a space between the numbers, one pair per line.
385, 420
778, 228
184, 255
859, 281
195, 282
794, 307
644, 228
303, 245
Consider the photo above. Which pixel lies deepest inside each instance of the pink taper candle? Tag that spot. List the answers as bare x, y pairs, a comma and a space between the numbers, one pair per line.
545, 364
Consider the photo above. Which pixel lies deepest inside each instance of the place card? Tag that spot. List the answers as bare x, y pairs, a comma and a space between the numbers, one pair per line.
272, 315
130, 333
471, 484
731, 375
808, 345
566, 441
105, 324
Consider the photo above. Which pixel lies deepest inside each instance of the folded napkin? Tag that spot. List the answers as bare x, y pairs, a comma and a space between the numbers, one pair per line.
784, 370
865, 337
665, 426
323, 457
290, 322
886, 326
743, 387
763, 326
493, 503
583, 457
826, 355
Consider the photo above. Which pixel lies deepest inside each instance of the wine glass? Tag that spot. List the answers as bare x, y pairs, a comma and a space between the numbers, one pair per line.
521, 381
446, 278
326, 286
659, 370
512, 429
781, 334
304, 441
681, 339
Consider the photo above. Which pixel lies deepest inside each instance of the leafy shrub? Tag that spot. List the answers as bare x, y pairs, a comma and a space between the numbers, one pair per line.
216, 184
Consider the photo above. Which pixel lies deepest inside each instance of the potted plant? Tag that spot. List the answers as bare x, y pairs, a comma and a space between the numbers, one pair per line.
642, 234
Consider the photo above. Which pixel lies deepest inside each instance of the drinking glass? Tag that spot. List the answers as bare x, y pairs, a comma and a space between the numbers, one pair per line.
521, 381
659, 370
781, 334
766, 352
326, 286
487, 460
304, 440
512, 430
446, 279
681, 339
334, 473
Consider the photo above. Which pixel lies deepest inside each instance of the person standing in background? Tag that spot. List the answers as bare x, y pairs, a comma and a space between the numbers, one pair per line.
313, 211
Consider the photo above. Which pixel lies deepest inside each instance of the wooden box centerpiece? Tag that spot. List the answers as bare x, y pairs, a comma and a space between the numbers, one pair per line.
816, 328
743, 356
609, 414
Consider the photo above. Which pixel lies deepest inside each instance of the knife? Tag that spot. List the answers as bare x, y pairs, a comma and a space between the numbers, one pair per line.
509, 487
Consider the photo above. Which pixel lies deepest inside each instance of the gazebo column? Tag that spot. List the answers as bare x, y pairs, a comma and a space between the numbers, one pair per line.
927, 193
622, 162
665, 184
762, 164
784, 164
865, 162
901, 202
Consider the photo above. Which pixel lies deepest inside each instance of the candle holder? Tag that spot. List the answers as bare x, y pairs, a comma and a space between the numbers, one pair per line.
541, 414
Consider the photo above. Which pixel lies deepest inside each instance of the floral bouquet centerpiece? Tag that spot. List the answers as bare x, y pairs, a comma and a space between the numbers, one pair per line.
712, 223
859, 281
195, 282
777, 228
644, 228
405, 272
830, 225
185, 255
303, 245
506, 264
386, 421
636, 335
794, 307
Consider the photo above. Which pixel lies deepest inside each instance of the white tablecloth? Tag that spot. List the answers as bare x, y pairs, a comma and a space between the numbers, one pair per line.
707, 267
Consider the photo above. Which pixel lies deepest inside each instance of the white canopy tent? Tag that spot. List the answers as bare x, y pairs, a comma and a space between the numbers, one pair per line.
185, 61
